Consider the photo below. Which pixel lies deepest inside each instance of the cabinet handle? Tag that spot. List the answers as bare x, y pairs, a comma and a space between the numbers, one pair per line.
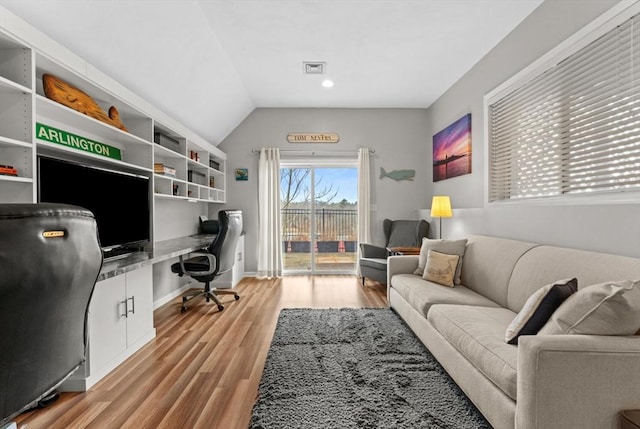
126, 310
133, 305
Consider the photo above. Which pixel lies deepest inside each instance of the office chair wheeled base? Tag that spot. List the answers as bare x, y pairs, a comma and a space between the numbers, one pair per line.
209, 295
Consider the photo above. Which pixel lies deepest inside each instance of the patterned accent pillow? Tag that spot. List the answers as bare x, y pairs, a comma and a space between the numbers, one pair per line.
450, 247
440, 268
610, 308
539, 308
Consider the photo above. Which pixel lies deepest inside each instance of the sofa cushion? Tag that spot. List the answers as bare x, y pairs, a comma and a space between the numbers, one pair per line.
422, 294
561, 263
489, 263
478, 334
539, 308
610, 308
450, 247
440, 268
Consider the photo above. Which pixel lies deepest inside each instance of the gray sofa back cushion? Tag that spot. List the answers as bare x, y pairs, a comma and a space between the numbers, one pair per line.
546, 264
488, 265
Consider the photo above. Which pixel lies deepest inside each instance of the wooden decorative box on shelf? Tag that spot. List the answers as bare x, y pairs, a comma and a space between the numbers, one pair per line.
68, 95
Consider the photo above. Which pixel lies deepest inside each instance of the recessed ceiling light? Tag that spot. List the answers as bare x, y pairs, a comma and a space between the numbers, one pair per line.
327, 83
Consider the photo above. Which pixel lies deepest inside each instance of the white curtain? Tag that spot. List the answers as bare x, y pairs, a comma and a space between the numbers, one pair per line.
269, 241
364, 200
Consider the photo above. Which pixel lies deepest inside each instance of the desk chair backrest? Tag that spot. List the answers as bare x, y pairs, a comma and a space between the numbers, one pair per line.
225, 244
50, 258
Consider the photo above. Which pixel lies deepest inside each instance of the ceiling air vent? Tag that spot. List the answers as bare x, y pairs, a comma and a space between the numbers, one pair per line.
314, 67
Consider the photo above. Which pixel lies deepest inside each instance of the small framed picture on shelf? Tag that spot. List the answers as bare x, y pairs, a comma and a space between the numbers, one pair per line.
242, 174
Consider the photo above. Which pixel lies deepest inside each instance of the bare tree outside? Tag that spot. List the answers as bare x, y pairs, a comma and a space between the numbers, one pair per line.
294, 187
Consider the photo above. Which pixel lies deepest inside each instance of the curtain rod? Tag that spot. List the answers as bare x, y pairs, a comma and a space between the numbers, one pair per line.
313, 152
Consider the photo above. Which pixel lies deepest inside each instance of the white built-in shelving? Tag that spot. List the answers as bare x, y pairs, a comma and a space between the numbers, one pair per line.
200, 167
16, 119
195, 179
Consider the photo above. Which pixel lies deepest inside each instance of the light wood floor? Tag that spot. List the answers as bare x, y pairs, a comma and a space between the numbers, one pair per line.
203, 368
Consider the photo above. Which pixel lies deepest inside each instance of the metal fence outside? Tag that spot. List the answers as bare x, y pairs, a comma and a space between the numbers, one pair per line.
335, 230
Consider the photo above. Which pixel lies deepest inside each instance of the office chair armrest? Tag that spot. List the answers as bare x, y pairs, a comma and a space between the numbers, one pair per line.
212, 265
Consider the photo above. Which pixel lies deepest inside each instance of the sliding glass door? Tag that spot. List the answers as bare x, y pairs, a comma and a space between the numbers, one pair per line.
319, 217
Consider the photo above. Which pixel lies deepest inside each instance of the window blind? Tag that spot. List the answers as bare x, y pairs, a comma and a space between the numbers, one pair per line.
575, 127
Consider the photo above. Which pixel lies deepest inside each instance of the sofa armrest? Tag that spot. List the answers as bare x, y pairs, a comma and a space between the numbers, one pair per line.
372, 251
401, 264
576, 381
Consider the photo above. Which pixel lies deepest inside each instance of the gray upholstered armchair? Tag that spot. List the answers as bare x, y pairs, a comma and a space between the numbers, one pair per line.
398, 233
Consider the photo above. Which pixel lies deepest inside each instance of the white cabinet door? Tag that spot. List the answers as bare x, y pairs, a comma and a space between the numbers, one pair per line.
238, 267
139, 303
231, 278
107, 322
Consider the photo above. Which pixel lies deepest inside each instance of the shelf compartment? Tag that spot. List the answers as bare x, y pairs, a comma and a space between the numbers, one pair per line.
17, 189
177, 163
163, 137
19, 157
197, 177
135, 150
15, 62
168, 186
193, 191
7, 85
103, 98
15, 114
49, 109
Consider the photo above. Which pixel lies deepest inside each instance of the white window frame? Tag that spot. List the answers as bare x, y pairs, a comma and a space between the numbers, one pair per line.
597, 28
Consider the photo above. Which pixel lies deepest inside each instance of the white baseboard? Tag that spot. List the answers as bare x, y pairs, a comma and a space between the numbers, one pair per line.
162, 301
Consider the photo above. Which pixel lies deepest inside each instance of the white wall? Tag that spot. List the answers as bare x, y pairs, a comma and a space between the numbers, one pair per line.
177, 218
399, 137
607, 228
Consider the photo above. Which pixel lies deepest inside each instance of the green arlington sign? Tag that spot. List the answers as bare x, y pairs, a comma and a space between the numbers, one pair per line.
55, 135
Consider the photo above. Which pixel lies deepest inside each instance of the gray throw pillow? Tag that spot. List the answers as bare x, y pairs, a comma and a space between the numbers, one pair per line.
538, 309
611, 308
449, 247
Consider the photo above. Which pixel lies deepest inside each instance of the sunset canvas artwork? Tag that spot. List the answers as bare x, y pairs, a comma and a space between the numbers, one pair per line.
452, 150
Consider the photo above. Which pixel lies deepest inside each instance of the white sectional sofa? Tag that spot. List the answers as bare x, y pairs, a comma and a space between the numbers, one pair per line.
544, 382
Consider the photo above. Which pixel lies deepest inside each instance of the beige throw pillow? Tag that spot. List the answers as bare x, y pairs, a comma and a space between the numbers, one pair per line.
611, 308
450, 247
440, 268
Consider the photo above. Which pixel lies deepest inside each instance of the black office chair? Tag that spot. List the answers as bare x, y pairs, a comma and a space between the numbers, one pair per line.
214, 261
50, 258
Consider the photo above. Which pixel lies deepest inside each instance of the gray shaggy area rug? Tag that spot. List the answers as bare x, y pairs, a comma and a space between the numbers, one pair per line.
355, 368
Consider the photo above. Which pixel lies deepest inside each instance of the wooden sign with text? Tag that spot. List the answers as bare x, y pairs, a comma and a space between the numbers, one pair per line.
313, 138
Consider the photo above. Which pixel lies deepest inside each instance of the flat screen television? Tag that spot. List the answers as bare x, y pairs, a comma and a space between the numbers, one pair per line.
119, 201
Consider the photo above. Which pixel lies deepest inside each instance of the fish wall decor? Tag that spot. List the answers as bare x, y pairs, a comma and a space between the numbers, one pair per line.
398, 174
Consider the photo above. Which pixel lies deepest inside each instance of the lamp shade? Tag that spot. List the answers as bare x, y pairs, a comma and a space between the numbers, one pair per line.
441, 206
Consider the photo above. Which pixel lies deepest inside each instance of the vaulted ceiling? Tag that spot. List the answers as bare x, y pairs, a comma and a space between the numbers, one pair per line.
209, 63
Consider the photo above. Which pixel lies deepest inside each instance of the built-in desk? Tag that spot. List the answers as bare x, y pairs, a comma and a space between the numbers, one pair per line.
120, 319
158, 252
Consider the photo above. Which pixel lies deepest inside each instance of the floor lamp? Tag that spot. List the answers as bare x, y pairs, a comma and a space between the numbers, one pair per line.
441, 207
